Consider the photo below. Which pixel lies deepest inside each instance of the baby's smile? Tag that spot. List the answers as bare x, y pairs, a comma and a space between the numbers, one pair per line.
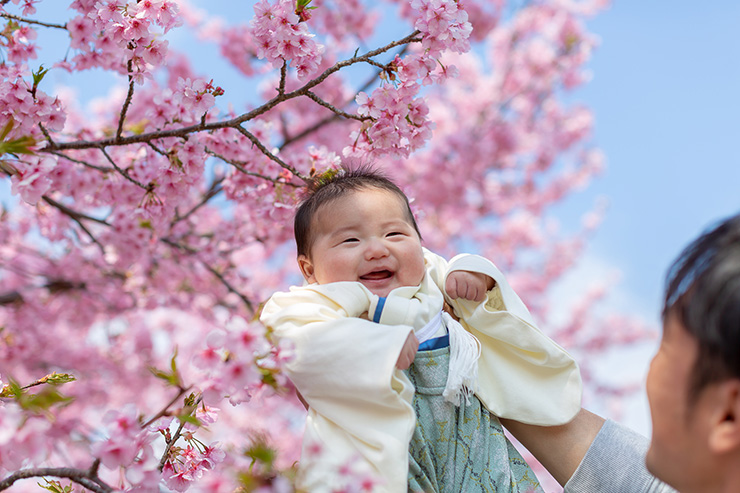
377, 275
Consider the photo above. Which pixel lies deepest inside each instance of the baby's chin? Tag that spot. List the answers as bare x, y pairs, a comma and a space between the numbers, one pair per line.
383, 293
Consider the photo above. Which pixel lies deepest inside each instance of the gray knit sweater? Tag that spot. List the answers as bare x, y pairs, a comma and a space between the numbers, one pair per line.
615, 463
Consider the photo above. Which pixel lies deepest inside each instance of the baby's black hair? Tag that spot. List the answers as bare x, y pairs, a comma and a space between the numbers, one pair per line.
336, 183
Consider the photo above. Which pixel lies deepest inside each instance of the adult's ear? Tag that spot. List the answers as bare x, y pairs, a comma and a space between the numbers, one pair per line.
306, 266
724, 435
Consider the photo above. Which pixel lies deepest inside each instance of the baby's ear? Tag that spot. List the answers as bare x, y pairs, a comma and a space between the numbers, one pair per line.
304, 263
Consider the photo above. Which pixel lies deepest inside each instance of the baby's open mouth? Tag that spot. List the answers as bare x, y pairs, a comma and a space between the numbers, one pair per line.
377, 275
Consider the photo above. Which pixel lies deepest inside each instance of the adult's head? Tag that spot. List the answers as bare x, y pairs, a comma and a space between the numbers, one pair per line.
694, 380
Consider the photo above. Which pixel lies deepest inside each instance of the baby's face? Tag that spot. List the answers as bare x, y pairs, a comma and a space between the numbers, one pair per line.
364, 236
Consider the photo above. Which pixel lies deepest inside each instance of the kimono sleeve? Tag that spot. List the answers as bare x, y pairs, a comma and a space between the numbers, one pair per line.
522, 374
359, 403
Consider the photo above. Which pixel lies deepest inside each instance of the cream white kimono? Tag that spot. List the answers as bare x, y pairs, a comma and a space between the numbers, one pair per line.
360, 419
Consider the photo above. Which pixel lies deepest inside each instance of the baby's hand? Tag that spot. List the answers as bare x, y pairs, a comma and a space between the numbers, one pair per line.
468, 285
408, 352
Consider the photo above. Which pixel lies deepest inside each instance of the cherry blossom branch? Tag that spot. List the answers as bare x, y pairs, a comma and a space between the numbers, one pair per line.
53, 285
31, 21
234, 122
335, 110
411, 38
212, 270
46, 134
240, 166
84, 163
86, 478
214, 190
127, 102
175, 437
287, 140
10, 298
307, 131
72, 213
122, 172
75, 216
181, 392
257, 143
283, 76
156, 149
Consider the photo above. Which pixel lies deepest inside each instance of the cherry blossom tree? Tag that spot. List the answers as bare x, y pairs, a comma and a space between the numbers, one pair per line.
146, 229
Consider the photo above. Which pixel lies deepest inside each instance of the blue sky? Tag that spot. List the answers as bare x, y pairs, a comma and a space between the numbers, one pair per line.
665, 97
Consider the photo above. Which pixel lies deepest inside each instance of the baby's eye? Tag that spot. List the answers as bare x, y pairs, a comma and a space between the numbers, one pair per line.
395, 233
350, 240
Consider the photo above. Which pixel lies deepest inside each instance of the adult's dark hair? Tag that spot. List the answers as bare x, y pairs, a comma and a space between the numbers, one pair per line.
703, 290
332, 185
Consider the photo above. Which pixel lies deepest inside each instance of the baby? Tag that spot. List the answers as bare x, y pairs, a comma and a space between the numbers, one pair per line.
373, 294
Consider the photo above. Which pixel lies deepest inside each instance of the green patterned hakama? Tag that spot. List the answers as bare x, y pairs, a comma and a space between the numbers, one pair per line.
459, 449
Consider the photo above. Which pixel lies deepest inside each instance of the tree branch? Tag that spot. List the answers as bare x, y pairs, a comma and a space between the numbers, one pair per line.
31, 21
76, 216
213, 271
53, 285
77, 161
88, 479
127, 102
214, 190
10, 298
174, 438
121, 171
239, 165
257, 143
234, 122
72, 213
309, 130
46, 134
283, 77
335, 110
164, 410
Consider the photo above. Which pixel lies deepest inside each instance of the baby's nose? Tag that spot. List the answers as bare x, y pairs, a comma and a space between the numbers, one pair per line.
376, 248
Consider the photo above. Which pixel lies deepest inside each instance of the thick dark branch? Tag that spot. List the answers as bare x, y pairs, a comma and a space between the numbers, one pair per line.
79, 476
53, 285
335, 110
10, 298
127, 102
283, 77
31, 21
234, 122
145, 137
